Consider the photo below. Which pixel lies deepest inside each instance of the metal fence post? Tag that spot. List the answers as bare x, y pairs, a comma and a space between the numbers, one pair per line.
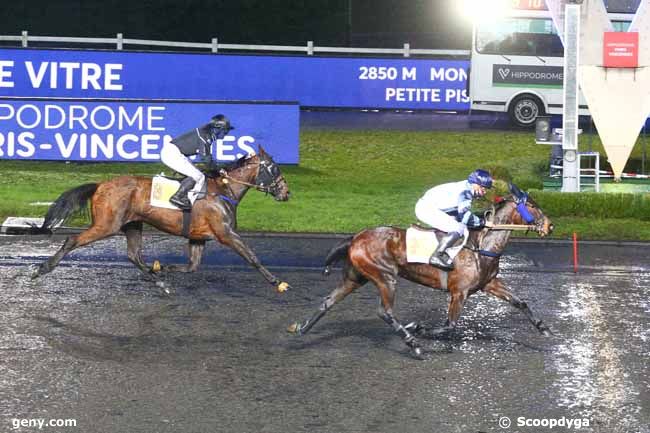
407, 50
215, 45
310, 48
571, 164
24, 38
120, 41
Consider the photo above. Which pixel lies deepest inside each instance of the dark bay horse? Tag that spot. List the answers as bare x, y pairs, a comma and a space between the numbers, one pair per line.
123, 204
379, 255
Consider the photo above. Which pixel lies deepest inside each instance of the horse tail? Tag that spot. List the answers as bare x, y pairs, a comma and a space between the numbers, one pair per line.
66, 205
337, 253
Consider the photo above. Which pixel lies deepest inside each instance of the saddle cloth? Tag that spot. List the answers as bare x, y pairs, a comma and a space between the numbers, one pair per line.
162, 188
421, 243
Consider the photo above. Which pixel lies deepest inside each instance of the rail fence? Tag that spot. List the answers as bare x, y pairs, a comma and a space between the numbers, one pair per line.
119, 42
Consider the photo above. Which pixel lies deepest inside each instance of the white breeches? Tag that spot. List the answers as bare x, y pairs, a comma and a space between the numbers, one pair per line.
437, 219
172, 157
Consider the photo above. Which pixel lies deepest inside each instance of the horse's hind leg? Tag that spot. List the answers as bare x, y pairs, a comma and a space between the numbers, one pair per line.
497, 288
351, 282
86, 237
133, 233
386, 284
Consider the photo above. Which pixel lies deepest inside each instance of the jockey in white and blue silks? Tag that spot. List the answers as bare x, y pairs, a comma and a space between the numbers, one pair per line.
174, 154
447, 207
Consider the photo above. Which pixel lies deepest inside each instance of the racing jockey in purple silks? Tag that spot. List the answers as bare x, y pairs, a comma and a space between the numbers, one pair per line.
446, 207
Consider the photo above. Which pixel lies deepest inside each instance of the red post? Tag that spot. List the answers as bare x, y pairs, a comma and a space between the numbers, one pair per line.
575, 252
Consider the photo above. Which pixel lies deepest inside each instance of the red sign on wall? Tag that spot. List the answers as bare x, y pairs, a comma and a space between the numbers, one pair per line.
621, 50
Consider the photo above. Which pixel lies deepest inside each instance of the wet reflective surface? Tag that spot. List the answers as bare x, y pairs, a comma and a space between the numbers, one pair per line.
94, 341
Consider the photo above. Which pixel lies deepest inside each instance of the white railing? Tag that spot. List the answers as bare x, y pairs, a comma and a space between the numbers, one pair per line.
214, 46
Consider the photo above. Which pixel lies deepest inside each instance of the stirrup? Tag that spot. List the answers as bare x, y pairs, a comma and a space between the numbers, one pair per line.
183, 203
436, 260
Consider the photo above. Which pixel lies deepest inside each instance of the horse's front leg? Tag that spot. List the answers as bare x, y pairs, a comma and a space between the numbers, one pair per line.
496, 287
456, 303
231, 239
196, 248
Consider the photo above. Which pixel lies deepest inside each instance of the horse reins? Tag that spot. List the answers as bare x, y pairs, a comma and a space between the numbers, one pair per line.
492, 254
522, 227
267, 189
513, 227
483, 252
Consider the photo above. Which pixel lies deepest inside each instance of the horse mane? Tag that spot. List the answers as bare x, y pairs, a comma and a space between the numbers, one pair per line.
215, 171
236, 164
499, 205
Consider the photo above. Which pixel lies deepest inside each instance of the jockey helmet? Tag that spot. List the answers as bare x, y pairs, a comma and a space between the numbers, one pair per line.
220, 126
221, 122
480, 177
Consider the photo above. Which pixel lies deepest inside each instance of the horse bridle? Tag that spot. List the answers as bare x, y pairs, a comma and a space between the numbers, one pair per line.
268, 182
520, 203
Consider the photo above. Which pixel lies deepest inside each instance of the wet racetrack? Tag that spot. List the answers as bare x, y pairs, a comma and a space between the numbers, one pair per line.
95, 342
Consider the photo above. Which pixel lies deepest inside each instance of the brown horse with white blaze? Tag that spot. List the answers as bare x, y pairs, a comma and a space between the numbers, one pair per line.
123, 205
379, 255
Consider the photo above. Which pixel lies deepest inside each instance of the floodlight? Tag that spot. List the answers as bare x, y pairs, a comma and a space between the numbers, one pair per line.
484, 10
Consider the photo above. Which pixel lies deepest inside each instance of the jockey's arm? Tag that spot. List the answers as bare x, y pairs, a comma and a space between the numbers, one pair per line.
465, 214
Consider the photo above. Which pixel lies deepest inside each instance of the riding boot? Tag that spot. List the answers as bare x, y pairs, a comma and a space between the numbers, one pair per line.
439, 257
180, 198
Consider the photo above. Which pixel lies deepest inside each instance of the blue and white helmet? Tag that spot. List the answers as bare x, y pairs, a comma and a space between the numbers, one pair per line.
480, 177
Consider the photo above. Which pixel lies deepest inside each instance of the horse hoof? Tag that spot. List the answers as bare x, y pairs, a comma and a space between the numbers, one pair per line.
37, 272
415, 328
164, 290
417, 353
294, 328
546, 332
156, 267
283, 287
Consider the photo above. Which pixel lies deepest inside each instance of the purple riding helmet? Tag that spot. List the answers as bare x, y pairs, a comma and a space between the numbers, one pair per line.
480, 177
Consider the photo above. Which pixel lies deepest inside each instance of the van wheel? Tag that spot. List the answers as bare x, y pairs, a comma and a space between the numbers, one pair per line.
524, 110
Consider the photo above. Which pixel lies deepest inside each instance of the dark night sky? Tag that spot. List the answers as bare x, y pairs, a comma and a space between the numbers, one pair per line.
360, 23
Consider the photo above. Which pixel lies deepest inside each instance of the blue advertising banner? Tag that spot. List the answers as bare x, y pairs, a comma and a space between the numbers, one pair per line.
312, 81
76, 130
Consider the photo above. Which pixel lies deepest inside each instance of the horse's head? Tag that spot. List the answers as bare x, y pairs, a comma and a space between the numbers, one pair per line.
519, 208
258, 170
269, 179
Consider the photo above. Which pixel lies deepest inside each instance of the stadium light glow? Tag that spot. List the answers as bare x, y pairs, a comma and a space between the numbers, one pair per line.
484, 10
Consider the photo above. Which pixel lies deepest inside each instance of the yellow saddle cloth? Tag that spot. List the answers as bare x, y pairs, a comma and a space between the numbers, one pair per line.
420, 245
162, 188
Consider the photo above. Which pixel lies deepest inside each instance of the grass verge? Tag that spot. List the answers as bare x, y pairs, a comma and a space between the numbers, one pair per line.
349, 180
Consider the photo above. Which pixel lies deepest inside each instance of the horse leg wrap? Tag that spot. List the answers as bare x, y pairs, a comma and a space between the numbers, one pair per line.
414, 328
322, 309
408, 338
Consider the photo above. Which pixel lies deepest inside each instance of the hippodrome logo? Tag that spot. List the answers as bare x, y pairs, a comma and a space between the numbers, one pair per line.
524, 74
